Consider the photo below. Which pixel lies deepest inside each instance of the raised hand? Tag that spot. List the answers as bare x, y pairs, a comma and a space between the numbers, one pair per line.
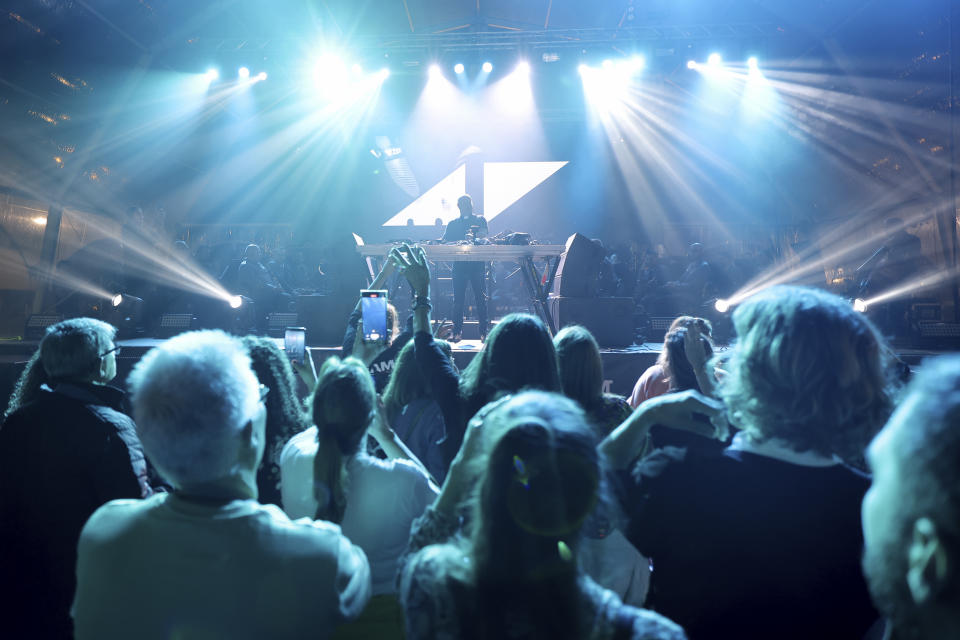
413, 265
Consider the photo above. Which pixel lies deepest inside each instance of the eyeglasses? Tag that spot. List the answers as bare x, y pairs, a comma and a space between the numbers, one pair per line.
115, 350
264, 390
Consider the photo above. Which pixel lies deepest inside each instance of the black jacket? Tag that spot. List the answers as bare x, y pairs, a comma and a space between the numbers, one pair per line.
61, 457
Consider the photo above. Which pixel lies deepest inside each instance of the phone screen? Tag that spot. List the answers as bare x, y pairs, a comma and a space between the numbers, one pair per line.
295, 343
373, 307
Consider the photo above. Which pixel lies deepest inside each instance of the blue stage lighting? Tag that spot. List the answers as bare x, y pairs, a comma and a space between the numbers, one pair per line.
356, 69
211, 75
243, 73
637, 63
261, 76
458, 68
523, 66
582, 69
714, 60
607, 64
436, 71
691, 64
487, 67
384, 73
752, 63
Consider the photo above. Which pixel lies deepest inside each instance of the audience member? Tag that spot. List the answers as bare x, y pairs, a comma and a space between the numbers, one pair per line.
764, 540
581, 378
380, 359
286, 415
207, 560
66, 448
518, 354
911, 514
412, 412
514, 574
327, 475
658, 378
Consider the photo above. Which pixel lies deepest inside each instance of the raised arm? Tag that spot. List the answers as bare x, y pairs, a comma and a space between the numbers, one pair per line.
350, 335
687, 410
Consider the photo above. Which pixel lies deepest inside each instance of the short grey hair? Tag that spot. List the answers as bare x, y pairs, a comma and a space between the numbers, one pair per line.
809, 370
192, 396
71, 350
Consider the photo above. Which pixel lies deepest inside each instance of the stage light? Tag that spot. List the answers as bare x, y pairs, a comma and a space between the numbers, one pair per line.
860, 305
436, 71
714, 60
39, 220
261, 76
211, 75
752, 63
243, 73
637, 63
116, 299
722, 305
523, 66
691, 64
487, 67
458, 68
583, 69
384, 73
235, 302
607, 64
357, 69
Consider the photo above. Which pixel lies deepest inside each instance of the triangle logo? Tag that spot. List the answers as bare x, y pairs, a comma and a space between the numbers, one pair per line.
440, 201
504, 183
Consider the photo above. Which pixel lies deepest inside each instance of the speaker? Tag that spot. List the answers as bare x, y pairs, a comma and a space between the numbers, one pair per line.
610, 320
172, 324
37, 324
579, 268
277, 323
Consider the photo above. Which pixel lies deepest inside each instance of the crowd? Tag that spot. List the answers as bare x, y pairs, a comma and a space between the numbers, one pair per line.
513, 499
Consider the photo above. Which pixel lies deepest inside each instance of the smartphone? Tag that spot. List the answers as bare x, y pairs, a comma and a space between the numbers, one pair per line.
295, 343
373, 307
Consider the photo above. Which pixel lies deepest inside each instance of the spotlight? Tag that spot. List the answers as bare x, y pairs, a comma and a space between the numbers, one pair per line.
458, 68
860, 305
487, 67
211, 75
435, 71
235, 302
714, 60
243, 73
523, 66
691, 64
722, 305
384, 73
752, 63
607, 64
357, 69
582, 69
116, 300
262, 76
637, 63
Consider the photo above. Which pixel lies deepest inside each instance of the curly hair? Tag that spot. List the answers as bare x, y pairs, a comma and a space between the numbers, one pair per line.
28, 385
342, 405
808, 370
286, 415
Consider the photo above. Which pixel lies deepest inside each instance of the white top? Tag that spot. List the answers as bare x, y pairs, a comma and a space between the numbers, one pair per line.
383, 499
170, 567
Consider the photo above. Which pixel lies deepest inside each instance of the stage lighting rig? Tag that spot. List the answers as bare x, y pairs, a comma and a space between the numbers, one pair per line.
235, 302
243, 73
458, 68
860, 305
487, 67
722, 305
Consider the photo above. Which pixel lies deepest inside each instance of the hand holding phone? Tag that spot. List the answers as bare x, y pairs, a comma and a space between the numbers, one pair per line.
295, 343
373, 308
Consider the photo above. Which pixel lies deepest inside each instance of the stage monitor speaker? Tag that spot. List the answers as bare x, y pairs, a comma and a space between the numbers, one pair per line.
37, 324
610, 320
172, 324
277, 323
579, 268
325, 317
939, 335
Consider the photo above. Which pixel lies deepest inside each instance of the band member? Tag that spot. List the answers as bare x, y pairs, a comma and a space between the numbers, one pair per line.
467, 227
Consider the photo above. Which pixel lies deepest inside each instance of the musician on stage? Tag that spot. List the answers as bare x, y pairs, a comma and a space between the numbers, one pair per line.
467, 228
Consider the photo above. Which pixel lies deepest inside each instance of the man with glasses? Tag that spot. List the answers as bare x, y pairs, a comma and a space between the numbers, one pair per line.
208, 560
67, 450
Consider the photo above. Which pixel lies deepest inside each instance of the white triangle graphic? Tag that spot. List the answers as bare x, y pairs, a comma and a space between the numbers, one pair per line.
506, 182
439, 202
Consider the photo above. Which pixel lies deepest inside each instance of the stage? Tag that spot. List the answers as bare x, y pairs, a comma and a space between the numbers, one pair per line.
621, 367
